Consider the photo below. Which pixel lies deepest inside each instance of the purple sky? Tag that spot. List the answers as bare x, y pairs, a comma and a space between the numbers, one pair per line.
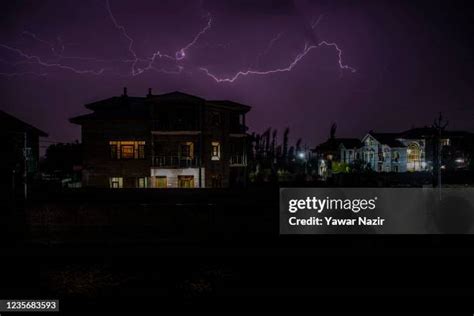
411, 60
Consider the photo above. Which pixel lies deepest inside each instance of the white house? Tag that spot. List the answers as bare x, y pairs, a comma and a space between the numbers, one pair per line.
383, 152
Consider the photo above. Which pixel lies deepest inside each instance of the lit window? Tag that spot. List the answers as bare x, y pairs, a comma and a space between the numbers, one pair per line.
116, 182
161, 182
127, 149
445, 142
127, 152
186, 182
215, 151
142, 183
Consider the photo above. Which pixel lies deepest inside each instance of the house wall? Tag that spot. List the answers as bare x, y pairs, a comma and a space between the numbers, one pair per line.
172, 175
99, 166
348, 156
163, 132
380, 157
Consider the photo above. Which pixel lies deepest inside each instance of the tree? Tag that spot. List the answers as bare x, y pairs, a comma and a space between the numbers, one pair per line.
61, 158
332, 131
285, 145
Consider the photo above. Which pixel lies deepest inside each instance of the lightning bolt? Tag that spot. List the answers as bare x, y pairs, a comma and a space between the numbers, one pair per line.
21, 74
291, 65
140, 65
269, 47
316, 22
39, 61
179, 55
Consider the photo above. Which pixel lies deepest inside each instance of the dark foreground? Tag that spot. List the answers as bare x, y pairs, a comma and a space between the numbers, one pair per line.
221, 251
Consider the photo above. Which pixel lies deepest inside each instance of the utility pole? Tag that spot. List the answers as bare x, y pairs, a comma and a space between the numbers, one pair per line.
439, 126
25, 167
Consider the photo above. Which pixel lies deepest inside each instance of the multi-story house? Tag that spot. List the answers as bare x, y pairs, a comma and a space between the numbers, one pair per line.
412, 150
172, 140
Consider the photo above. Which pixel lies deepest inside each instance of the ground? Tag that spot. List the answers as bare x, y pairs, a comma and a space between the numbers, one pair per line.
223, 262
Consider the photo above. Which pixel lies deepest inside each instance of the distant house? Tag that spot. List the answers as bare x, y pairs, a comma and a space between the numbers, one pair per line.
20, 150
408, 151
172, 140
336, 150
414, 150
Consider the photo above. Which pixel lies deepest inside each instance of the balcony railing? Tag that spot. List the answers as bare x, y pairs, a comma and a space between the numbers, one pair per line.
175, 162
238, 160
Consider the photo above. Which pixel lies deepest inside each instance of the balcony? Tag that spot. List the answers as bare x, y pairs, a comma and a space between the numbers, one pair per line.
238, 129
175, 162
189, 125
238, 161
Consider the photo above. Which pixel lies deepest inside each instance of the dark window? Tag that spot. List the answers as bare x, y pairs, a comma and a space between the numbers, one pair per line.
163, 121
113, 152
186, 149
159, 149
215, 119
141, 151
216, 182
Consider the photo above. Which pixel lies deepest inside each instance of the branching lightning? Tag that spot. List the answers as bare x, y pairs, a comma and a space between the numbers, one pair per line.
292, 64
180, 54
140, 64
39, 61
289, 67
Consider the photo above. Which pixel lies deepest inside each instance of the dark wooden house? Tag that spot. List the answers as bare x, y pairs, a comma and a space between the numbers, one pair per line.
172, 140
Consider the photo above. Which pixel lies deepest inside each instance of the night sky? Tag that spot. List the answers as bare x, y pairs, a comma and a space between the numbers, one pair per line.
400, 62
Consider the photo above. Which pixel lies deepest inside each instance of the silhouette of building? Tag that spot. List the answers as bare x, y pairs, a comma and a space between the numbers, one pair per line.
20, 151
172, 140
